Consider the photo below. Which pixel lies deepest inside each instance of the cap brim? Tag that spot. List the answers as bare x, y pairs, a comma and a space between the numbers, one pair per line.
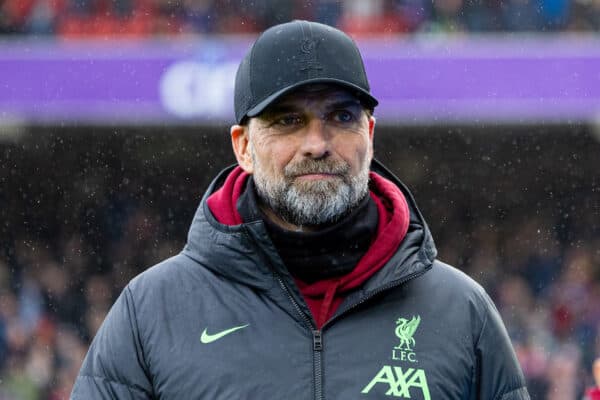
365, 97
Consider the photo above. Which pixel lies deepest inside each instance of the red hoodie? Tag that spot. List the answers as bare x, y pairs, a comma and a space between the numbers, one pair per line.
325, 296
593, 394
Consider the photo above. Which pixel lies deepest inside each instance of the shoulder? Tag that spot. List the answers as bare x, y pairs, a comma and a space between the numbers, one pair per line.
162, 298
173, 271
167, 283
463, 299
449, 278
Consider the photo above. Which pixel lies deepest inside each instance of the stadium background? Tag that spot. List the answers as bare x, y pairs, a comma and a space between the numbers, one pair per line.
93, 191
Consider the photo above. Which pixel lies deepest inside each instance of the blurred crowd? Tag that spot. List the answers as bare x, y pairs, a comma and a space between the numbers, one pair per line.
548, 295
86, 214
56, 287
54, 294
168, 17
53, 297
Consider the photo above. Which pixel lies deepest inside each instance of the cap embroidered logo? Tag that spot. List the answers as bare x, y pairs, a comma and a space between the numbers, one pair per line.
308, 57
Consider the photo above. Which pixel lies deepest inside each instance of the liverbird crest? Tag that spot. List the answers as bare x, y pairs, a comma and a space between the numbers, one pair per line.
405, 330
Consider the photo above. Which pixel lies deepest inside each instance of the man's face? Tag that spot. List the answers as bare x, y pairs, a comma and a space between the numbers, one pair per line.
309, 154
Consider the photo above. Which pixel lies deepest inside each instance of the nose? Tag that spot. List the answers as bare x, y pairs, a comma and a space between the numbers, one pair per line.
316, 140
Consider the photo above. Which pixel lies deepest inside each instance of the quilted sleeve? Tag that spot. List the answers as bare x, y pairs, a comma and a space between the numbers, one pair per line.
498, 371
114, 367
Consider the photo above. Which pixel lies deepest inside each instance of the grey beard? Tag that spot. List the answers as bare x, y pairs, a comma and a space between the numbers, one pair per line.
313, 203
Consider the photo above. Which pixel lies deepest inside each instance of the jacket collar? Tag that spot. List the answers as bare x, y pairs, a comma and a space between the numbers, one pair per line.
244, 253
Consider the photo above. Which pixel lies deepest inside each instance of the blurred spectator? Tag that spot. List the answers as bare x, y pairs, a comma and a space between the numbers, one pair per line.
98, 299
522, 15
585, 15
563, 371
484, 15
328, 12
168, 17
593, 392
414, 13
199, 16
269, 12
446, 16
555, 14
371, 17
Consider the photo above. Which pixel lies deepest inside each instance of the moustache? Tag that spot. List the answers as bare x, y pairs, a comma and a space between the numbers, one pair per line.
316, 167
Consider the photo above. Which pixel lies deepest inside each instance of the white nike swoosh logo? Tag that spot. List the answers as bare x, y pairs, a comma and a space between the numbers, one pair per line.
206, 338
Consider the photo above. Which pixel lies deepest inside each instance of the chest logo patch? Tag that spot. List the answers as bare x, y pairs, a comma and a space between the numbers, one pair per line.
398, 382
405, 378
405, 330
208, 338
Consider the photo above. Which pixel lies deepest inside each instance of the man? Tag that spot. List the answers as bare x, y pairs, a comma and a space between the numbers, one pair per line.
593, 393
306, 275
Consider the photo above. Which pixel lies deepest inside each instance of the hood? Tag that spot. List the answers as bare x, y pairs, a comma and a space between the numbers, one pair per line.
417, 251
244, 253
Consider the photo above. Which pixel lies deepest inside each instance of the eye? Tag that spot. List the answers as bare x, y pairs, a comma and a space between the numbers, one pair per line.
343, 116
288, 120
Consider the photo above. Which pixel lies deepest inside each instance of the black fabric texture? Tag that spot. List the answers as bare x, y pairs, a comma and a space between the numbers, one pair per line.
314, 256
296, 53
228, 283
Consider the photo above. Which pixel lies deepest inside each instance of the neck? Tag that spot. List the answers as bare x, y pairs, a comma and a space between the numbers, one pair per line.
313, 253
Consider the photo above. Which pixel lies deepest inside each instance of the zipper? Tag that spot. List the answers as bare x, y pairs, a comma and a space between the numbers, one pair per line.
317, 340
317, 336
318, 363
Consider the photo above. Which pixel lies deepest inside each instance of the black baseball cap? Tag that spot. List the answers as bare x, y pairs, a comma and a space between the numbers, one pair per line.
293, 54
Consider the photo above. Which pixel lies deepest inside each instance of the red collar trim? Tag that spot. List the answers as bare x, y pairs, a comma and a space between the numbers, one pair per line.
223, 202
394, 218
323, 297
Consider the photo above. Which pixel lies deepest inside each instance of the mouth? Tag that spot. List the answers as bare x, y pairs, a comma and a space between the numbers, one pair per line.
316, 176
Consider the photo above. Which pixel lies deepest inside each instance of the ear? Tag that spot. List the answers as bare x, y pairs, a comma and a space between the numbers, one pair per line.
240, 141
371, 133
371, 128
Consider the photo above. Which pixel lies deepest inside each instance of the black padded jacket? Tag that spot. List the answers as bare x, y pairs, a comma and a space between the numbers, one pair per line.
224, 320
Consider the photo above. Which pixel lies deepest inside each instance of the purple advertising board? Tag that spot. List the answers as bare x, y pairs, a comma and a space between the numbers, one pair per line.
418, 80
